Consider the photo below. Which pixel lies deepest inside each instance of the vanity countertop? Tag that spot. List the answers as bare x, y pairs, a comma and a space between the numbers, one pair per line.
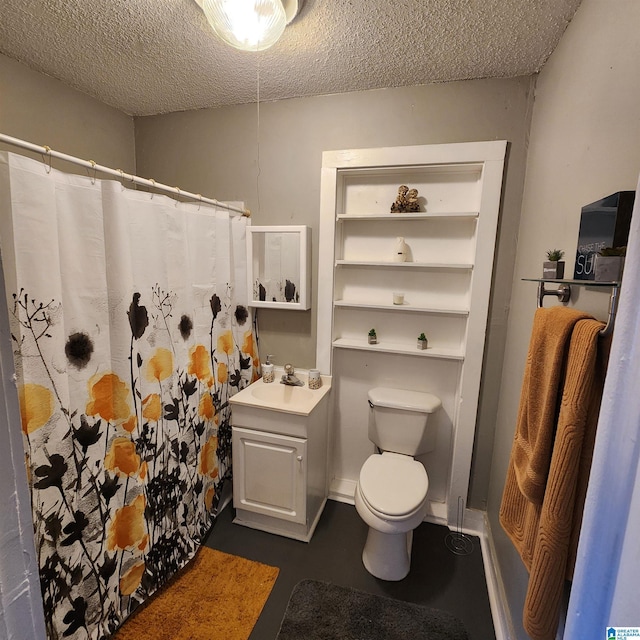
276, 396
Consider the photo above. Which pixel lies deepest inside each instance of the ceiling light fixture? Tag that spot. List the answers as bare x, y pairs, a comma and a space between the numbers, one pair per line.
250, 25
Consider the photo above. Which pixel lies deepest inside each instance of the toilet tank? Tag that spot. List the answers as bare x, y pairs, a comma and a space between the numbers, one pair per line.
399, 420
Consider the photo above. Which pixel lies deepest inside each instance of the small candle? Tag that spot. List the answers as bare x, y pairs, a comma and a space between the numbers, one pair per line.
398, 298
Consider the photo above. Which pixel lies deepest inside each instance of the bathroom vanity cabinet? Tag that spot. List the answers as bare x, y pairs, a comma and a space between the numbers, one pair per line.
280, 457
445, 282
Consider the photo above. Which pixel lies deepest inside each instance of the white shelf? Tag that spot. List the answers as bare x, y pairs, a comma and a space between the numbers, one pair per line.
404, 265
400, 348
400, 308
460, 215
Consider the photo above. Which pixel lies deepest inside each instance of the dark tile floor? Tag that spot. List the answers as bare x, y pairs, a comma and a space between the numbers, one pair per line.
439, 578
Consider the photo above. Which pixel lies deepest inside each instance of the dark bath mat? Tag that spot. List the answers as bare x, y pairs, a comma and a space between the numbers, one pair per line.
324, 611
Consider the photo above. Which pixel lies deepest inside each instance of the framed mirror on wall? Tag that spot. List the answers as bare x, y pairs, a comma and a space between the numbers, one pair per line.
279, 267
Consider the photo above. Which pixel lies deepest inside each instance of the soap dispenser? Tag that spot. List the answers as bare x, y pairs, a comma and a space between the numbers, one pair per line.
268, 374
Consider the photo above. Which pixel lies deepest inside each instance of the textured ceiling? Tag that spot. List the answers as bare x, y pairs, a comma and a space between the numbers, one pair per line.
156, 56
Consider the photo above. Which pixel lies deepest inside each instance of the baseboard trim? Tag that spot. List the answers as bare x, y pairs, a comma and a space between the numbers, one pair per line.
342, 490
476, 523
495, 586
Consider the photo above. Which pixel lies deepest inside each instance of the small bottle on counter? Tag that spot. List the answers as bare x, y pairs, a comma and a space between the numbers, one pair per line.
268, 374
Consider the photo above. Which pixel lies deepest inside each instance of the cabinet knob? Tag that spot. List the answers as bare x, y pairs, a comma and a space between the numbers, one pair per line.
299, 458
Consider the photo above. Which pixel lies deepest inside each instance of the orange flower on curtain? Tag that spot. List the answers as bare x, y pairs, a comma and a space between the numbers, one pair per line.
199, 364
127, 530
152, 407
131, 580
109, 398
208, 458
130, 424
36, 406
122, 458
248, 345
160, 365
225, 343
206, 408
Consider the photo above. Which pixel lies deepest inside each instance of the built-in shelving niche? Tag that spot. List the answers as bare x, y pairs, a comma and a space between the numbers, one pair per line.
446, 284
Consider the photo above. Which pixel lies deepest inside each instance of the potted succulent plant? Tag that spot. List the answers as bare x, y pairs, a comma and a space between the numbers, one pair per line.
609, 264
422, 341
554, 266
373, 338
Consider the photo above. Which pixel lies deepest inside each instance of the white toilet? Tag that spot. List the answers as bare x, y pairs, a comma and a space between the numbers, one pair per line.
391, 494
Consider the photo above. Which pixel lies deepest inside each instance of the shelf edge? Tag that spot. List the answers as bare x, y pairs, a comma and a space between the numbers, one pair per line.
405, 265
422, 215
399, 308
398, 349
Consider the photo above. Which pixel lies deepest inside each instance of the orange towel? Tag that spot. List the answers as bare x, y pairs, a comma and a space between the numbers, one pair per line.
539, 398
546, 534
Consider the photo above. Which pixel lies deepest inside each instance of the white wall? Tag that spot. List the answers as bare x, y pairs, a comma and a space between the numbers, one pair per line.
584, 144
42, 110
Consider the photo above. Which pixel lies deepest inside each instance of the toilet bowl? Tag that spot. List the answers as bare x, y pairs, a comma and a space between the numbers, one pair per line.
391, 498
391, 492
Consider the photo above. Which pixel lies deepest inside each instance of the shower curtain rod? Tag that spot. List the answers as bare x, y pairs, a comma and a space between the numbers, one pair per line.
118, 173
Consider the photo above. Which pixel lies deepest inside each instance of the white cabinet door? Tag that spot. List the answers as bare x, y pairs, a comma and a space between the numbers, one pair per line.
269, 474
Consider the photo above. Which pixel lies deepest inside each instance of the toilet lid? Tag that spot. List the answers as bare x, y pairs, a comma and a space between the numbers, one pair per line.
393, 484
404, 399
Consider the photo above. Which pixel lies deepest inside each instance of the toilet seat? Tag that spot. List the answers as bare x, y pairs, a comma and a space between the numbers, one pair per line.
392, 485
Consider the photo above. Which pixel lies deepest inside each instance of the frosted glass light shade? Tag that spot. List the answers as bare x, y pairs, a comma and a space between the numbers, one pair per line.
250, 25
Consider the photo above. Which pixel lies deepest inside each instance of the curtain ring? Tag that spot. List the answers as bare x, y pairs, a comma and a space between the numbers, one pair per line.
199, 200
178, 191
121, 172
93, 178
153, 182
47, 150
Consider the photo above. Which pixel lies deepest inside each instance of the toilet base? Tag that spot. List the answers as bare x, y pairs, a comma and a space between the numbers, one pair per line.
388, 555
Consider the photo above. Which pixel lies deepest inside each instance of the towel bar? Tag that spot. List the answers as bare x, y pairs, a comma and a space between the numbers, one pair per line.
563, 293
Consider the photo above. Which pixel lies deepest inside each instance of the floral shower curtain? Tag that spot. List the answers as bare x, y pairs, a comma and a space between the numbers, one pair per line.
130, 333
